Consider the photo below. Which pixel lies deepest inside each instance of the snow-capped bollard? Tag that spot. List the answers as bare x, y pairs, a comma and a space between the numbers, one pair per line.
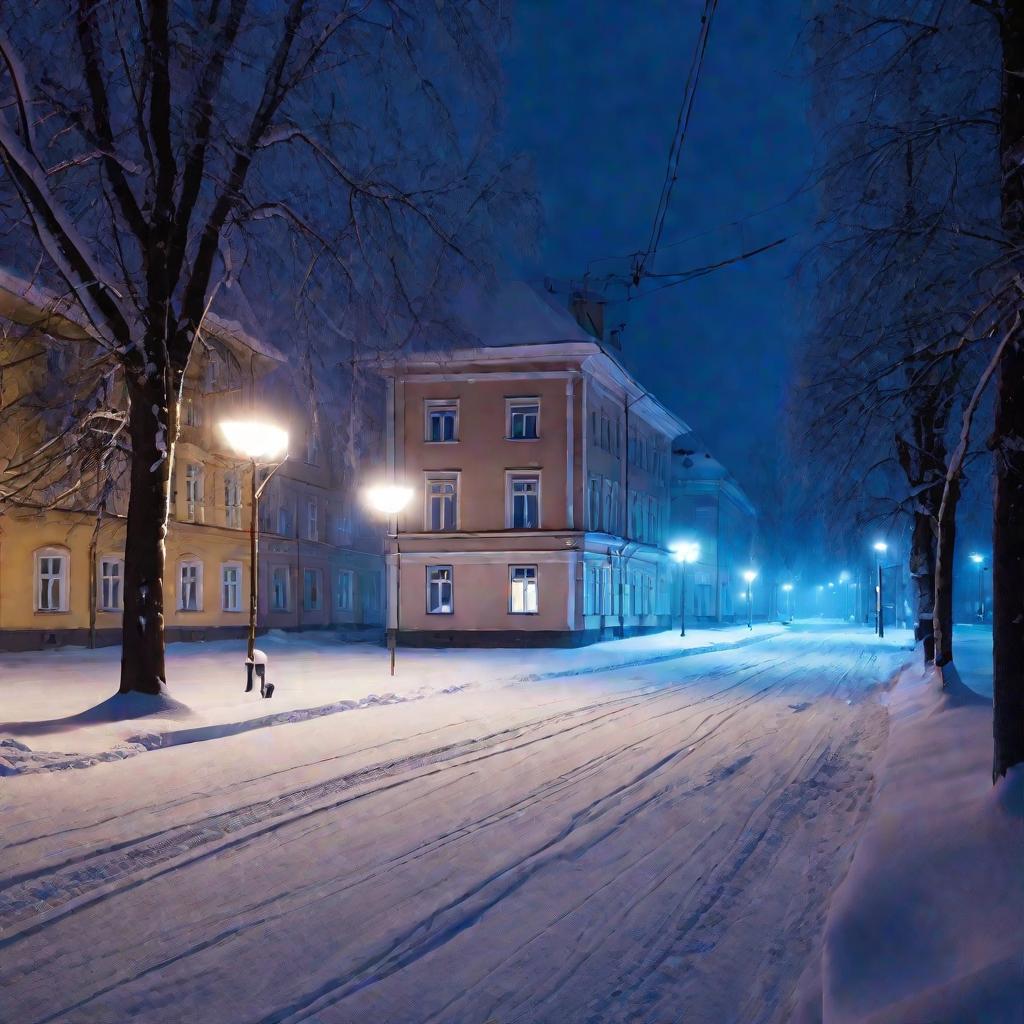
258, 665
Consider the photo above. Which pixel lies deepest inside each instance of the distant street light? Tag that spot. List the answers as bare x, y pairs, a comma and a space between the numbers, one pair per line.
749, 575
684, 551
389, 499
256, 441
880, 547
979, 561
787, 589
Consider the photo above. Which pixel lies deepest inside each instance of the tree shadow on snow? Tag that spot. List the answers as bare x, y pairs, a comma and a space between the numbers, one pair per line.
121, 707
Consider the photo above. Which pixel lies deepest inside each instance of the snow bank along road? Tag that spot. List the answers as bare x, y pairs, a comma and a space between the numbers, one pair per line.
648, 845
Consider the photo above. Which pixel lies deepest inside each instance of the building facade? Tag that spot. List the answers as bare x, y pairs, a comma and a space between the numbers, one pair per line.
540, 474
709, 507
62, 533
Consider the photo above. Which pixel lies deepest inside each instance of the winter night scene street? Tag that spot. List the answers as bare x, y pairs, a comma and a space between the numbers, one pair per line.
511, 512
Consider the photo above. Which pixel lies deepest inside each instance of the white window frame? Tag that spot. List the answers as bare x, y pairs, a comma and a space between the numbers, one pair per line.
62, 577
194, 492
225, 605
345, 597
233, 508
450, 610
512, 405
312, 519
438, 476
529, 568
432, 406
318, 579
511, 477
197, 564
102, 577
280, 572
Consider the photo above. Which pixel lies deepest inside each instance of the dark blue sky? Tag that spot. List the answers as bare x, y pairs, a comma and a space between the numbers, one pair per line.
594, 87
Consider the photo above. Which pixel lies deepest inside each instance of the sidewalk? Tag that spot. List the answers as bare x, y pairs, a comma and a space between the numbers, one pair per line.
59, 700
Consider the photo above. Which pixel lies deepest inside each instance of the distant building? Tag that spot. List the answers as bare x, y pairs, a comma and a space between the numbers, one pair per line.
62, 533
709, 506
540, 469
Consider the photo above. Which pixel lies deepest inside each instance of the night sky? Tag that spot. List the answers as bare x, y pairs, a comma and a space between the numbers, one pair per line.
593, 90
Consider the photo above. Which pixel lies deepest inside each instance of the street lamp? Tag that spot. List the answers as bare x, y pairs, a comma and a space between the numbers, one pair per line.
787, 589
684, 551
256, 441
979, 561
389, 499
749, 575
880, 549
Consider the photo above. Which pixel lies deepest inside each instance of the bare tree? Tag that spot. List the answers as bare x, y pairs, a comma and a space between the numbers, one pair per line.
161, 157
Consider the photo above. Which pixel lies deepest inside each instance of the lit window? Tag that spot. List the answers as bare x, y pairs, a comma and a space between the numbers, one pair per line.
524, 502
312, 590
111, 584
440, 590
442, 503
442, 419
194, 492
279, 588
345, 581
231, 587
522, 589
232, 500
190, 588
524, 419
51, 580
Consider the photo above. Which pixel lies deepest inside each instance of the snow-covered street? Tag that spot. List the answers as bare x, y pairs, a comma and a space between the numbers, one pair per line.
645, 844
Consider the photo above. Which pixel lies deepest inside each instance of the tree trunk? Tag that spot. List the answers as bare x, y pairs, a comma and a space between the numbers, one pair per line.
142, 631
1008, 435
922, 572
945, 549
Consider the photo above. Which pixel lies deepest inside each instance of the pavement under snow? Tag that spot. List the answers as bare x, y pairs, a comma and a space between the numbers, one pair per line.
648, 844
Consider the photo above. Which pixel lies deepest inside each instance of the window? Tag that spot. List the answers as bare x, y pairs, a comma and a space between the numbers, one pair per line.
441, 421
313, 448
652, 521
606, 522
212, 371
312, 590
524, 502
523, 419
592, 590
284, 521
312, 527
193, 492
594, 502
232, 500
606, 433
231, 587
279, 580
190, 586
522, 598
613, 524
440, 590
345, 580
111, 584
52, 580
442, 503
190, 414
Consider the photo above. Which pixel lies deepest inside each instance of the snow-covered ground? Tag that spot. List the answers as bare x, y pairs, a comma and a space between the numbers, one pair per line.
929, 924
56, 703
638, 845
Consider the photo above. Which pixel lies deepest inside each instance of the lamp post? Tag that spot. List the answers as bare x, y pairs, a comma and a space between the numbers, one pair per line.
258, 442
979, 561
787, 589
880, 549
683, 552
750, 576
389, 500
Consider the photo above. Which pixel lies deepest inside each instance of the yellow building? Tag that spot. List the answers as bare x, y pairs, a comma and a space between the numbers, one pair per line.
63, 494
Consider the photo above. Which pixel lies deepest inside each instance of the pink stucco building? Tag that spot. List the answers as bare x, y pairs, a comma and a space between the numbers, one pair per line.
541, 478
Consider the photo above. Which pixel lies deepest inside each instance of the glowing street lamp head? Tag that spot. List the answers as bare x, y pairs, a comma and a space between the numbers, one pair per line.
685, 551
255, 439
976, 558
880, 546
389, 499
844, 576
749, 575
787, 587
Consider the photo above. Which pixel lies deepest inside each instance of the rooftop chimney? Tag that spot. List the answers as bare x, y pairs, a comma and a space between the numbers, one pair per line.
588, 309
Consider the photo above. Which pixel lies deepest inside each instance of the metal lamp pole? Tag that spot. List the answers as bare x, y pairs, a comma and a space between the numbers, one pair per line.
682, 598
750, 608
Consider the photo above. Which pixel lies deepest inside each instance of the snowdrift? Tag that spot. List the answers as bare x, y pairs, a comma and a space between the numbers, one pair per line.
928, 925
